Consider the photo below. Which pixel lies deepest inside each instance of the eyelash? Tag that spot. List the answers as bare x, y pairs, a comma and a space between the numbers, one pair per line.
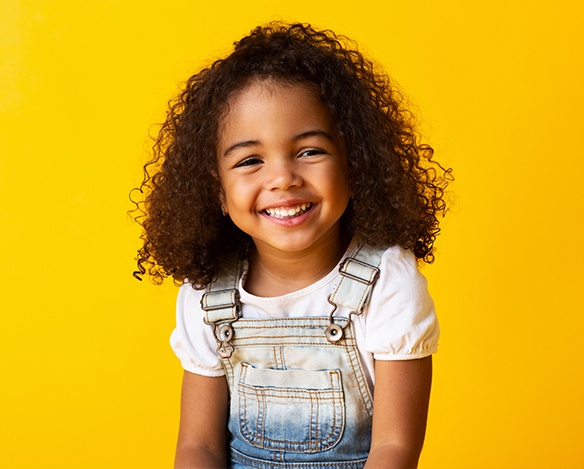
248, 162
254, 160
312, 151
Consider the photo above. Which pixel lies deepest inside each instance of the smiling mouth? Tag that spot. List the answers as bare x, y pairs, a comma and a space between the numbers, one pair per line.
288, 212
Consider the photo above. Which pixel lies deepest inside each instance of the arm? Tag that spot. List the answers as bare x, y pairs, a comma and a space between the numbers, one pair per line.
400, 409
202, 437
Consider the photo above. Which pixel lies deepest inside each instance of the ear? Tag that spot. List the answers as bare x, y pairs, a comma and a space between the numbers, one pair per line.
224, 210
221, 194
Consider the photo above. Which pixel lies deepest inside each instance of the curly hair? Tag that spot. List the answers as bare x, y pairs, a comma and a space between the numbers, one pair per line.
398, 189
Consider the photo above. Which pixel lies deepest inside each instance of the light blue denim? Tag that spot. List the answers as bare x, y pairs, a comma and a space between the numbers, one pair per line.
297, 399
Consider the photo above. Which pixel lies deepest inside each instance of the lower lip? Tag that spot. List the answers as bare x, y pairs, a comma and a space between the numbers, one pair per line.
290, 222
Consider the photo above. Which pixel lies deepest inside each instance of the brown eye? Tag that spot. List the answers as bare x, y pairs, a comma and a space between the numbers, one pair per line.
248, 162
312, 152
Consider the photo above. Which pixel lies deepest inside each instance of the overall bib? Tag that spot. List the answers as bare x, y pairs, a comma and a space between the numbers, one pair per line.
298, 394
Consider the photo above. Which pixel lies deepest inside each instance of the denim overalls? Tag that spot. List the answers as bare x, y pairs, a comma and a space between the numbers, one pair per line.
299, 398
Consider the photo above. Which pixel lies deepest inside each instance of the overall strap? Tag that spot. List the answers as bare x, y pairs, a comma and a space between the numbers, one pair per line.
358, 276
222, 308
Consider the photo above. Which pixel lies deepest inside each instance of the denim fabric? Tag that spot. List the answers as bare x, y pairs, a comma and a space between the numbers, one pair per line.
296, 399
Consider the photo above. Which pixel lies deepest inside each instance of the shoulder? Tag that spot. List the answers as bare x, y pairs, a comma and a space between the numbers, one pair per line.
401, 318
398, 269
192, 340
400, 281
188, 295
399, 259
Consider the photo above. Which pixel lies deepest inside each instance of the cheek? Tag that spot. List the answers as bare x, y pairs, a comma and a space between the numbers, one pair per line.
341, 181
225, 183
236, 195
230, 191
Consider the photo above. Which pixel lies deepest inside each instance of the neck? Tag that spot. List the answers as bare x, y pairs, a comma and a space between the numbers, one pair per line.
276, 273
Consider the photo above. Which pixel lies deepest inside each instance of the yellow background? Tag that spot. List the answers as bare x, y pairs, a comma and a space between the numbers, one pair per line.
88, 379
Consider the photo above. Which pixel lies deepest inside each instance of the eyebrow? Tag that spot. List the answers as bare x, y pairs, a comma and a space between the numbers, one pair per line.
235, 146
303, 135
314, 133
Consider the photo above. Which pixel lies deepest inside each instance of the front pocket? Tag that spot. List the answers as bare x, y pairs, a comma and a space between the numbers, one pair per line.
291, 410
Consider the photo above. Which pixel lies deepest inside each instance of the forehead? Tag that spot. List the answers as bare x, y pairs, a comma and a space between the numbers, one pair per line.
274, 108
273, 87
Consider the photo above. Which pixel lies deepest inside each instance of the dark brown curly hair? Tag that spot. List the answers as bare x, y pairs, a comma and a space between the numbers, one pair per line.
398, 190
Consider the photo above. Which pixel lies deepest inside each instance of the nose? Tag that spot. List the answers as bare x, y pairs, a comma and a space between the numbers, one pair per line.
282, 175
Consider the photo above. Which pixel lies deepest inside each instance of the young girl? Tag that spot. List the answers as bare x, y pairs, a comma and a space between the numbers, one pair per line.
291, 198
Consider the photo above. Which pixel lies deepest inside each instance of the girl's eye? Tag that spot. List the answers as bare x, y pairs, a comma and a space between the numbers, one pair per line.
311, 152
248, 162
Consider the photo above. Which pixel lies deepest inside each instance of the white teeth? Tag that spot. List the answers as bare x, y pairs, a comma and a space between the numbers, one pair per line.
288, 212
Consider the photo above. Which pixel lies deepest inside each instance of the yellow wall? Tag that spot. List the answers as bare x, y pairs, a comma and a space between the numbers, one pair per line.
87, 377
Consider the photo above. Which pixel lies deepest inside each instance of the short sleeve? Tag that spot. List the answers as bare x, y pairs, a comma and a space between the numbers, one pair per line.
401, 322
192, 340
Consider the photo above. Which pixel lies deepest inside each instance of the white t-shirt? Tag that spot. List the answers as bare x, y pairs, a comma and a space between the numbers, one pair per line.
398, 324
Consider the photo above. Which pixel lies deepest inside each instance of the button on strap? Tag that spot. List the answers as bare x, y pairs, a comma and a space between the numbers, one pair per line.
358, 276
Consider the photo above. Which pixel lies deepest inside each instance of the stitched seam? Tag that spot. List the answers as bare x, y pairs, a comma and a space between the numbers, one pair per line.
313, 397
358, 373
317, 341
266, 464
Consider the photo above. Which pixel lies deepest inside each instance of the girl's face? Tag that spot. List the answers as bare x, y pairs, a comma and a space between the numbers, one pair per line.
283, 168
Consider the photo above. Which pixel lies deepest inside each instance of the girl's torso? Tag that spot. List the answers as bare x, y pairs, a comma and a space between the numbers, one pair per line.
299, 397
283, 340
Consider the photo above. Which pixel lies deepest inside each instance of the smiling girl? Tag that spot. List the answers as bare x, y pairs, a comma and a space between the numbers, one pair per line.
290, 196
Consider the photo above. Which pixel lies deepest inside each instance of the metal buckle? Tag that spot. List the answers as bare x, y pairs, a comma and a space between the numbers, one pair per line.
223, 328
234, 303
344, 273
224, 334
334, 332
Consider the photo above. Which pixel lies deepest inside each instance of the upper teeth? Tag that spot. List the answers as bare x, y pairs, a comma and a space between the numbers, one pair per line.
285, 212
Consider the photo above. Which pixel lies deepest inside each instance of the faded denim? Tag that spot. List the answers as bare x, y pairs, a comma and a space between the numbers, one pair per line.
298, 400
295, 397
